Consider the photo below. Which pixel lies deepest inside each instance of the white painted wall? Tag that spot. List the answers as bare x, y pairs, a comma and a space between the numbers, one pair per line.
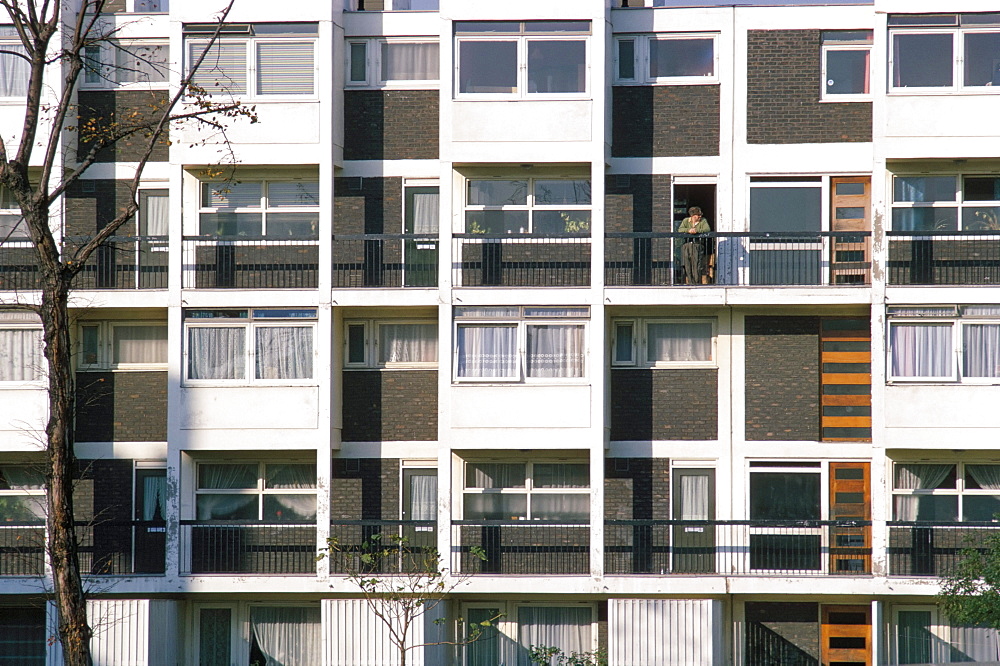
665, 632
355, 636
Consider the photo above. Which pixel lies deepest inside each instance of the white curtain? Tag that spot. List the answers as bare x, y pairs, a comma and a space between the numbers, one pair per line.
974, 644
140, 344
154, 495
916, 477
987, 476
555, 350
287, 636
981, 343
495, 475
285, 68
20, 354
284, 352
423, 497
921, 350
679, 341
409, 62
157, 215
296, 476
216, 352
694, 497
14, 70
567, 628
487, 351
226, 477
426, 212
408, 343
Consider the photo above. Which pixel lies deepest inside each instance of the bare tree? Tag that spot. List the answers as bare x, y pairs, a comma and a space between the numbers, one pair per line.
54, 39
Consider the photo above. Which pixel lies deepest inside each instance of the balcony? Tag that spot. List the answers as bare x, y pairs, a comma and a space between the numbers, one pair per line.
521, 260
18, 266
966, 258
737, 548
22, 549
934, 549
123, 262
520, 548
236, 547
739, 259
385, 260
383, 546
244, 262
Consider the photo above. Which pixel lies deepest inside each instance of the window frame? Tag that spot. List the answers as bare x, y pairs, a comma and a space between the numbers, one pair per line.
831, 46
508, 626
531, 206
39, 380
640, 347
373, 64
959, 491
9, 208
372, 341
240, 629
528, 490
105, 67
260, 492
263, 208
642, 61
34, 495
958, 31
11, 41
957, 320
105, 346
960, 203
249, 324
521, 322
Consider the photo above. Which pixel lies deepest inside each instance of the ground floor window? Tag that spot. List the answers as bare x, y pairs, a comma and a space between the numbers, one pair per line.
22, 636
919, 635
259, 634
520, 627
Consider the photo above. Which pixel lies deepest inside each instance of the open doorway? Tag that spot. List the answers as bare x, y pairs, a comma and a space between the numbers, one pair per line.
694, 258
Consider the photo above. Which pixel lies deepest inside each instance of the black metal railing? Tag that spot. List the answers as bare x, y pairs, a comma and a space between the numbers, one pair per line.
383, 546
520, 547
663, 259
111, 548
521, 260
735, 548
122, 262
22, 549
239, 547
385, 260
966, 258
18, 265
250, 262
934, 549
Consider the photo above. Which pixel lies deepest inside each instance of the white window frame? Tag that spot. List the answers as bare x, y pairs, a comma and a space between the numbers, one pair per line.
528, 491
9, 208
10, 41
37, 493
372, 335
136, 6
373, 65
958, 31
263, 208
15, 322
953, 318
249, 325
960, 490
260, 492
521, 323
239, 628
640, 337
105, 346
522, 39
959, 204
101, 60
642, 62
845, 46
531, 206
508, 626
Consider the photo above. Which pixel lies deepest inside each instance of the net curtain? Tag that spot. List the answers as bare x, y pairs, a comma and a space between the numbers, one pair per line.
20, 354
916, 477
287, 636
565, 628
487, 351
921, 350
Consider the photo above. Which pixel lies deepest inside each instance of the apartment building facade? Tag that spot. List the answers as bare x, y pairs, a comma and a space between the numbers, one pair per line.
441, 293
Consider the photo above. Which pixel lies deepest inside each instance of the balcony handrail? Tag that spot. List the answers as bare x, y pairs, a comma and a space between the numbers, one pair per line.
350, 237
212, 238
376, 523
248, 523
746, 523
740, 234
939, 523
117, 239
939, 232
525, 235
522, 523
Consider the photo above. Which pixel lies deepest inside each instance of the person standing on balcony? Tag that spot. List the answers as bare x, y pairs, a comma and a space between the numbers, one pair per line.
693, 255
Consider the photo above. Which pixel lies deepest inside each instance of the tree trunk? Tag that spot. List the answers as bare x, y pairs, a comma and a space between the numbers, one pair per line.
74, 632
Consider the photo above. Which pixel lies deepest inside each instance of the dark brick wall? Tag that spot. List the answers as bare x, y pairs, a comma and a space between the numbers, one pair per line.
121, 406
91, 204
367, 206
782, 632
783, 93
103, 491
391, 124
387, 406
365, 489
112, 111
664, 404
638, 202
114, 6
637, 488
664, 121
782, 378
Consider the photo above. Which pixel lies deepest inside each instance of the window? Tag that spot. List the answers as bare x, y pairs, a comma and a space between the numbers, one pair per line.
23, 635
241, 346
267, 492
391, 344
12, 226
374, 62
117, 63
667, 58
545, 207
21, 358
255, 60
516, 628
148, 6
522, 58
514, 343
659, 343
526, 491
946, 203
956, 343
782, 491
15, 70
789, 205
919, 635
391, 5
940, 52
946, 492
258, 634
22, 495
122, 345
846, 64
270, 208
154, 214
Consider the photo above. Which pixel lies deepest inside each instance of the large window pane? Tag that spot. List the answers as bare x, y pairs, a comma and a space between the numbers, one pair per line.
566, 628
923, 189
784, 496
561, 475
289, 508
20, 354
914, 640
982, 59
786, 209
495, 475
142, 63
557, 192
495, 507
925, 219
407, 343
487, 67
679, 342
681, 57
922, 61
847, 72
935, 508
921, 350
555, 351
231, 194
298, 475
983, 508
216, 353
14, 70
287, 636
293, 194
224, 68
983, 218
498, 193
409, 62
23, 632
557, 66
560, 507
139, 344
981, 344
285, 68
284, 352
487, 351
227, 476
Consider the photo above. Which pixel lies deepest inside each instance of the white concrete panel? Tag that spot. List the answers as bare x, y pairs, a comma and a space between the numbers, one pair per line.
24, 412
521, 120
357, 637
246, 407
121, 631
941, 115
953, 407
665, 632
521, 10
521, 406
278, 123
165, 640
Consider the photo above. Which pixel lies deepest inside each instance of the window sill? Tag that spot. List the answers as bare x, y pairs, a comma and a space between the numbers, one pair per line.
844, 99
671, 82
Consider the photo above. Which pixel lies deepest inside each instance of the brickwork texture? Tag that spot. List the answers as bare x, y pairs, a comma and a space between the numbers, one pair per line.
365, 489
112, 110
121, 407
391, 124
390, 406
664, 121
664, 404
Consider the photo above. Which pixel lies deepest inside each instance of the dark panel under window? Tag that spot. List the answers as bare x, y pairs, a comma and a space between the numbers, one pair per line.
784, 496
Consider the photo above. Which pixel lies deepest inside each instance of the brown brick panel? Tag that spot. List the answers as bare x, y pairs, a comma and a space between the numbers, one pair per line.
91, 204
264, 266
391, 124
113, 110
390, 406
782, 378
637, 489
665, 121
664, 404
368, 205
528, 264
783, 93
944, 261
638, 202
121, 406
365, 489
517, 549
